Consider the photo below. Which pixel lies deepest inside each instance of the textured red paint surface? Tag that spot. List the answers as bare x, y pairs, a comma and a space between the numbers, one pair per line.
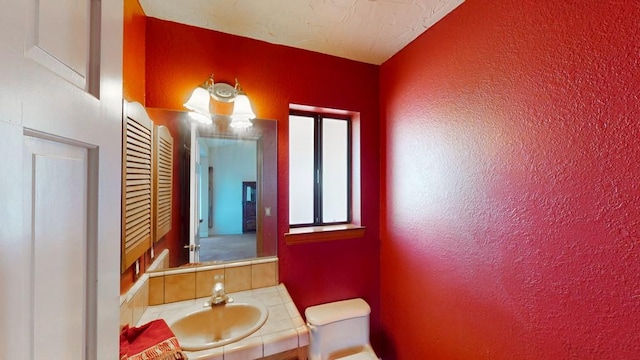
180, 57
133, 64
510, 206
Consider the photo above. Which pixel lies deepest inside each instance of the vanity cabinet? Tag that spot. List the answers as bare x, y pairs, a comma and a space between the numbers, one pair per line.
137, 175
147, 183
163, 183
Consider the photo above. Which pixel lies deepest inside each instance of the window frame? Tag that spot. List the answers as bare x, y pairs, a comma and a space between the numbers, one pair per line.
318, 167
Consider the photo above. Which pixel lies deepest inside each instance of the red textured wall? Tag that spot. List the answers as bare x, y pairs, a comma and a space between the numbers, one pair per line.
510, 200
133, 63
180, 57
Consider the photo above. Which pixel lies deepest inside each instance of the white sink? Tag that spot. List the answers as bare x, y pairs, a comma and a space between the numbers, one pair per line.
219, 325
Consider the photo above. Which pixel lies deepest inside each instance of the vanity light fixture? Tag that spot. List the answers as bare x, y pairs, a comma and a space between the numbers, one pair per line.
242, 111
199, 100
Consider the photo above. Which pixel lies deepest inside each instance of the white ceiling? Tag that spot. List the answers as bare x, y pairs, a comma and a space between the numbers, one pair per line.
370, 31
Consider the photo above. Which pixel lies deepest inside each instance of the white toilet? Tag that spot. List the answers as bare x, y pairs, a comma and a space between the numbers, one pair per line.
340, 330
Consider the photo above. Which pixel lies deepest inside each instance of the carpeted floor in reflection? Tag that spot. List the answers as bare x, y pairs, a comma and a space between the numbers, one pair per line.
228, 247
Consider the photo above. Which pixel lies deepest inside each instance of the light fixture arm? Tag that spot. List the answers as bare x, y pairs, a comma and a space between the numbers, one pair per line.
238, 88
208, 84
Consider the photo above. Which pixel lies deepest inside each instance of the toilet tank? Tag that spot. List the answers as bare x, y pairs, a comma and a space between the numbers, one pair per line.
337, 326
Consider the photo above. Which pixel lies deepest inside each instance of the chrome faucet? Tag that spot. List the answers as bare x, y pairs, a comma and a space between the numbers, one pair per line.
217, 294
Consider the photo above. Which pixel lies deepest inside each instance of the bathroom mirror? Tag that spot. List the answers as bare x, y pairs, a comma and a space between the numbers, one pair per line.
233, 191
229, 201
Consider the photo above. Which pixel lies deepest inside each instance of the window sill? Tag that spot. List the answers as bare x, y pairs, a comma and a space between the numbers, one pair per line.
323, 233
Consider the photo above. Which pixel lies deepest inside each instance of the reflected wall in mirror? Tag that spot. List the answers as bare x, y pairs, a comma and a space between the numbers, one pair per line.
234, 191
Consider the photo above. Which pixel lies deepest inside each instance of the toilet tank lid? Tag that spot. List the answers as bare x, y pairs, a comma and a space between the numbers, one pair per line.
323, 314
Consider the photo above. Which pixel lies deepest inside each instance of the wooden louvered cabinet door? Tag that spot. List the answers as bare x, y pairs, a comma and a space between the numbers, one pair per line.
163, 181
137, 186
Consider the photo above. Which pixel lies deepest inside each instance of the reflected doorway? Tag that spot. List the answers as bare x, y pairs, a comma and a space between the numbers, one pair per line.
249, 207
227, 197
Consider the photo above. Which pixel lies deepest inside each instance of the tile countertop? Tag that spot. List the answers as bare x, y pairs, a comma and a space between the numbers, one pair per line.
284, 329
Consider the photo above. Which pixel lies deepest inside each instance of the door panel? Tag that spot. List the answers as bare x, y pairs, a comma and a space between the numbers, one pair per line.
58, 33
55, 178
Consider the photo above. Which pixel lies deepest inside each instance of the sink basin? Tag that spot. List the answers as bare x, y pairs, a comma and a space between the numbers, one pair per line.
219, 325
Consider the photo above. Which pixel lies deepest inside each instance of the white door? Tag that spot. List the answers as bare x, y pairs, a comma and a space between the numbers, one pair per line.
61, 103
194, 195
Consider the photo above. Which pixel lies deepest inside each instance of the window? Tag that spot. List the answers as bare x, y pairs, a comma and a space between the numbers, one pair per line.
319, 169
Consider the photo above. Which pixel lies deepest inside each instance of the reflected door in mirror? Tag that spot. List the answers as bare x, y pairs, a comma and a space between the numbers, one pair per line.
248, 206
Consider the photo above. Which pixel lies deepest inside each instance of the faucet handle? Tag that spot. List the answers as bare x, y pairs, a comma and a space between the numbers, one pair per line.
218, 295
218, 279
218, 282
